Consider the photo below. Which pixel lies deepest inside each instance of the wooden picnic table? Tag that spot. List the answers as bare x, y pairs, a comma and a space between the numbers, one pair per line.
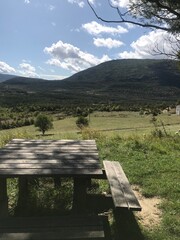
48, 158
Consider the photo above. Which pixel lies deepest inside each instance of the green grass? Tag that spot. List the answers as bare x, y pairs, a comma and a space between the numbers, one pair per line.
153, 164
149, 161
110, 123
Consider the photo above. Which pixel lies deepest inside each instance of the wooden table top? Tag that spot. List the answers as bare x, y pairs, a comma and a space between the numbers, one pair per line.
50, 157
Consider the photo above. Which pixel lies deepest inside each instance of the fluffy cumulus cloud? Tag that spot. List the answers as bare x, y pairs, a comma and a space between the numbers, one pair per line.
5, 68
27, 70
69, 57
107, 42
96, 29
80, 3
150, 45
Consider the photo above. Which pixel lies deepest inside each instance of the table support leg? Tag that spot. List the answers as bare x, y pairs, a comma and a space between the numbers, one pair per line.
3, 198
80, 195
57, 181
23, 194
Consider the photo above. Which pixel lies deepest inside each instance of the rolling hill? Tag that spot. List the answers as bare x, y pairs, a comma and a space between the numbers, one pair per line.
4, 77
120, 81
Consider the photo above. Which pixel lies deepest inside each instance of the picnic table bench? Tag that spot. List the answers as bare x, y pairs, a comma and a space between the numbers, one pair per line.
122, 194
53, 228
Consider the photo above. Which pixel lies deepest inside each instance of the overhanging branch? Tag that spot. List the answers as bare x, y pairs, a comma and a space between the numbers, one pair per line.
123, 20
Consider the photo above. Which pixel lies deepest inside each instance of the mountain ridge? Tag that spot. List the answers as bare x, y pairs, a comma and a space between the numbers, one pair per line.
114, 81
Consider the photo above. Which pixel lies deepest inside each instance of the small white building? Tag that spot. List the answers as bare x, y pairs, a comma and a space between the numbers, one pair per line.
178, 110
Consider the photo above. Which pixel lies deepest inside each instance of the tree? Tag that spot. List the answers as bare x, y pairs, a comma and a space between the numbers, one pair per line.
155, 14
82, 122
78, 111
43, 122
147, 13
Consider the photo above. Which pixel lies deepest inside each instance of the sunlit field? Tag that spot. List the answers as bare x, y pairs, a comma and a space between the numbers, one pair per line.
109, 123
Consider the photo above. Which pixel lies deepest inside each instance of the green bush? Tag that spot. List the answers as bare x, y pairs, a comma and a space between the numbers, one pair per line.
82, 122
44, 123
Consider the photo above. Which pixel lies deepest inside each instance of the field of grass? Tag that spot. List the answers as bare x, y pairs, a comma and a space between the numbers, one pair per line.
110, 123
153, 164
150, 161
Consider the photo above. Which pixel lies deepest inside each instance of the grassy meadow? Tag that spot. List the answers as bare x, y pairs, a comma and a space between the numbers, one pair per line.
149, 154
109, 123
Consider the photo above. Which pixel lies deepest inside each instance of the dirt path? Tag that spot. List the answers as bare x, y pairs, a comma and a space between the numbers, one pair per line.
151, 215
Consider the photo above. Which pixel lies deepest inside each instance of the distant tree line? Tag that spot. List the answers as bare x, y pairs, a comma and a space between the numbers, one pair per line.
25, 115
8, 124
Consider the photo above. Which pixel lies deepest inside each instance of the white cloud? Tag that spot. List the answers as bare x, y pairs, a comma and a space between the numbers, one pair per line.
53, 77
147, 45
95, 28
130, 25
107, 42
92, 1
27, 1
120, 3
80, 3
5, 68
69, 57
51, 7
27, 70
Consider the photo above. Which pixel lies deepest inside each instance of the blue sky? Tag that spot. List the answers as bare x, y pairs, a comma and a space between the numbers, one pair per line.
53, 39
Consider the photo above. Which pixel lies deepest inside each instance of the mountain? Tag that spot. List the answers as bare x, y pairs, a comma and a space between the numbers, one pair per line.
4, 77
120, 81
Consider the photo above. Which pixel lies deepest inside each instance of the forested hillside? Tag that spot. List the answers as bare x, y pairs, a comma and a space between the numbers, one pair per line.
117, 81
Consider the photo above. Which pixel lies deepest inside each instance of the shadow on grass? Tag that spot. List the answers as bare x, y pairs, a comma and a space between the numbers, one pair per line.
125, 226
45, 135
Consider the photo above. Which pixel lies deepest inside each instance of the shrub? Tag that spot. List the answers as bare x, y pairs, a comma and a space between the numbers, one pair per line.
82, 122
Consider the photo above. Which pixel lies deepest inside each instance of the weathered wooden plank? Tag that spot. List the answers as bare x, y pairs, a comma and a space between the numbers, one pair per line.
128, 193
53, 142
47, 151
67, 227
59, 165
115, 185
49, 140
69, 155
122, 193
49, 172
45, 144
34, 145
50, 160
44, 155
51, 221
50, 149
67, 233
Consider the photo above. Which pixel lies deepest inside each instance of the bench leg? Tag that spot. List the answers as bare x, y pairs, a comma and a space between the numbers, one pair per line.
126, 226
3, 198
80, 195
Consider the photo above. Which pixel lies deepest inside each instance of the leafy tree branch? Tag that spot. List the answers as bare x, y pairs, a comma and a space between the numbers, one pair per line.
157, 14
